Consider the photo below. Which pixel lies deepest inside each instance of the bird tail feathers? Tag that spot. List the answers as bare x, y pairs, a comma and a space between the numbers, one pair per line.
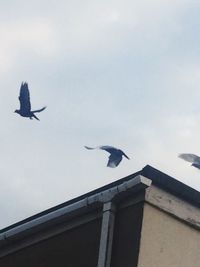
38, 110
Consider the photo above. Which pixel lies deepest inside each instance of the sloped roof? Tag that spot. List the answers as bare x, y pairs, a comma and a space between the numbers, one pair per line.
157, 177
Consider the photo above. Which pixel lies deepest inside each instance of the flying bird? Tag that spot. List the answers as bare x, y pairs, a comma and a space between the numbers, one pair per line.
25, 104
115, 155
194, 159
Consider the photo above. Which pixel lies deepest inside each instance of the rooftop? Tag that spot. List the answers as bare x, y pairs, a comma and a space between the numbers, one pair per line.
157, 178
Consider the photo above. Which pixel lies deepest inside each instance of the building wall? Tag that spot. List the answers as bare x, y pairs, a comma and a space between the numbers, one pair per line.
167, 242
77, 247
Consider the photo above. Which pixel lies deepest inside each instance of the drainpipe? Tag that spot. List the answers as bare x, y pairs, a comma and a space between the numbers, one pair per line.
107, 229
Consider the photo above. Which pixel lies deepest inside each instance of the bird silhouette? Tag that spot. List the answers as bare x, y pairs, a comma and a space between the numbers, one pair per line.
25, 104
194, 159
115, 155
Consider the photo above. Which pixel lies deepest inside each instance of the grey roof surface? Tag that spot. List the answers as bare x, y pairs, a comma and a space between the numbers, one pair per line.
158, 178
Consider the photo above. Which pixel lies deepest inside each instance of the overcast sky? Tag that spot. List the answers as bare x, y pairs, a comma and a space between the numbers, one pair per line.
111, 72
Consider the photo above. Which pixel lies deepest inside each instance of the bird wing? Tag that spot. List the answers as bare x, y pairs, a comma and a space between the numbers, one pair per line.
88, 147
24, 98
190, 157
106, 148
109, 149
114, 160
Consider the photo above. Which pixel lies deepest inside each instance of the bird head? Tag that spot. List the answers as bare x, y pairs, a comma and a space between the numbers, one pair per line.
16, 111
125, 155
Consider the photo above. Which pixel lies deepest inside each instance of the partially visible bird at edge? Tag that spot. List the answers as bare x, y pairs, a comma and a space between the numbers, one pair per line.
115, 155
25, 104
192, 158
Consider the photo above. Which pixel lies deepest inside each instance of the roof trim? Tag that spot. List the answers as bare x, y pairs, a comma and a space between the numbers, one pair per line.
17, 231
172, 185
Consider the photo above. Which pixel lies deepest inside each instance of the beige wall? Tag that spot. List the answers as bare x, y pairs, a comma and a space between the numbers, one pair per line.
167, 242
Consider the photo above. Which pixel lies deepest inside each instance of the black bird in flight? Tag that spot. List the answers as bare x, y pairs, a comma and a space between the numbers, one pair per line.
25, 104
115, 155
194, 159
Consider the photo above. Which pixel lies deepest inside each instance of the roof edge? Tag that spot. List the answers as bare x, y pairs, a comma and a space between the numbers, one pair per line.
134, 185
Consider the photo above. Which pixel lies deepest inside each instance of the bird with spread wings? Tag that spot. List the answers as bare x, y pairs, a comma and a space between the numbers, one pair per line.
115, 155
192, 158
25, 104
